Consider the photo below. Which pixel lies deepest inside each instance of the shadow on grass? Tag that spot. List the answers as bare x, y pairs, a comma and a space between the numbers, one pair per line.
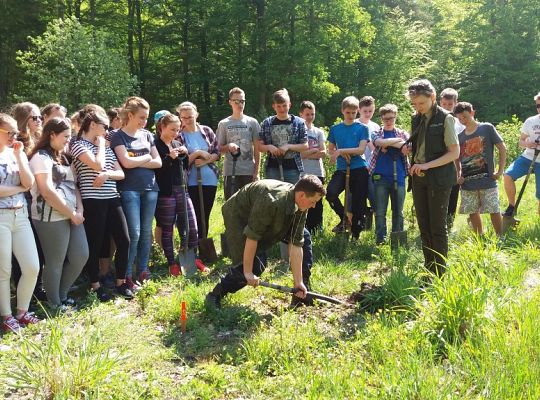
214, 334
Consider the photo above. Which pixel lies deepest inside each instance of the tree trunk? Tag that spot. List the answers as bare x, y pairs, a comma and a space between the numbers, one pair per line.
261, 49
131, 57
142, 77
185, 50
204, 68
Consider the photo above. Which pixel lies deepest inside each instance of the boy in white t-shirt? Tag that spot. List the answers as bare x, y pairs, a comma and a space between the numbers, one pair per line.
366, 111
313, 161
530, 141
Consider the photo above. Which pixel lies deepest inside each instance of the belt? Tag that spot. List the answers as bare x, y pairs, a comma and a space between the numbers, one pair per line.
11, 208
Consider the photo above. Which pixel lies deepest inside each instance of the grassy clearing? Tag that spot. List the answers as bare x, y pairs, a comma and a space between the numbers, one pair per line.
471, 335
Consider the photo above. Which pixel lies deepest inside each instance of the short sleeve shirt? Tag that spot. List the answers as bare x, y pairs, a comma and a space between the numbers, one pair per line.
450, 138
531, 127
315, 136
244, 133
347, 137
63, 180
476, 156
139, 178
9, 176
87, 175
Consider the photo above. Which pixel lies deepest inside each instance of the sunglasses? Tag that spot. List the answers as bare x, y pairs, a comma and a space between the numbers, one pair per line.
238, 102
11, 134
105, 126
537, 105
36, 118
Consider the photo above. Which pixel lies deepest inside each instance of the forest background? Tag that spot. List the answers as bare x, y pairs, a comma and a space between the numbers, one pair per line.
80, 51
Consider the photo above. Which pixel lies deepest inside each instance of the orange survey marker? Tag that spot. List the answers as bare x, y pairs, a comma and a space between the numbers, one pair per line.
183, 317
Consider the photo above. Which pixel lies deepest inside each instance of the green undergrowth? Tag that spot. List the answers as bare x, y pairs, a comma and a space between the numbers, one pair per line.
471, 334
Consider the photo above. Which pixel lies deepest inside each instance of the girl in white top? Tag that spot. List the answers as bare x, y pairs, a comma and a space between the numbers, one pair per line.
57, 212
16, 235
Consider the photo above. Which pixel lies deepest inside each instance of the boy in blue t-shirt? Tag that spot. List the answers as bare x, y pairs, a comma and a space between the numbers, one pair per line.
347, 142
388, 141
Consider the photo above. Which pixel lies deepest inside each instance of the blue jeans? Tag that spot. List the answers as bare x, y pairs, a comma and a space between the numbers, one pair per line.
289, 175
384, 190
139, 208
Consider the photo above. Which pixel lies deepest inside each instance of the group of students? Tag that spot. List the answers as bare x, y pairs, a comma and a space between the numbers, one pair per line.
73, 192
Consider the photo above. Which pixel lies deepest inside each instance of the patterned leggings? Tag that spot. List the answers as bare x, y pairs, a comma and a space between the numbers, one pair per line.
170, 210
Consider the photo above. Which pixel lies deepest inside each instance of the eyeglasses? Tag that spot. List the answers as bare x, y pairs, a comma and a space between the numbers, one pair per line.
11, 134
36, 118
238, 101
388, 118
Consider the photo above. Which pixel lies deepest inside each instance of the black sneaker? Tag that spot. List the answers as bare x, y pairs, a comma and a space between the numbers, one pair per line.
70, 302
124, 291
40, 294
509, 211
101, 294
212, 301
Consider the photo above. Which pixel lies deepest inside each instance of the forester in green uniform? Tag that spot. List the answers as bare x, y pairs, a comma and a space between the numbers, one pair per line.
258, 216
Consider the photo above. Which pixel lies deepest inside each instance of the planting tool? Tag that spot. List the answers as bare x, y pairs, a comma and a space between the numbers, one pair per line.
309, 295
186, 257
345, 230
207, 250
396, 238
283, 247
510, 221
224, 246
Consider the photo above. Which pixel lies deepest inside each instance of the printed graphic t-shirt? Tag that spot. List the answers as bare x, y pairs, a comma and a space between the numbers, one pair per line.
476, 156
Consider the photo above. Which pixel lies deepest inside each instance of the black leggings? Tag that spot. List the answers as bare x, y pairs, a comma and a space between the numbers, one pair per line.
209, 194
103, 216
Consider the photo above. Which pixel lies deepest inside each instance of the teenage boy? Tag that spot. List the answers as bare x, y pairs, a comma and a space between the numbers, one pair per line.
366, 111
312, 160
530, 141
448, 100
283, 136
238, 134
479, 192
387, 143
257, 217
347, 143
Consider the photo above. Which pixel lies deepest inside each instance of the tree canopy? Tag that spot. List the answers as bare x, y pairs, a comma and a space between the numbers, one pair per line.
78, 51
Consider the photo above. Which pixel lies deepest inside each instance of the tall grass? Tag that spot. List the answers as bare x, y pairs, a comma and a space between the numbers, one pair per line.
56, 366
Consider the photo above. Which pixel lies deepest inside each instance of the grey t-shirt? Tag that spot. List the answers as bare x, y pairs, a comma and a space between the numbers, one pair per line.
315, 138
243, 132
476, 156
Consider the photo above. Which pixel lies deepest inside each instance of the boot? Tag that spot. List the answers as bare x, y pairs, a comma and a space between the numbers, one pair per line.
213, 299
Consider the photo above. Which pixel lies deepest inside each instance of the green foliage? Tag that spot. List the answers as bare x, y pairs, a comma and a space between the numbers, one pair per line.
510, 130
74, 65
57, 367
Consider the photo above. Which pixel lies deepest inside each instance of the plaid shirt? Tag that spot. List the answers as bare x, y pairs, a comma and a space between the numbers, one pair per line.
401, 134
298, 136
211, 139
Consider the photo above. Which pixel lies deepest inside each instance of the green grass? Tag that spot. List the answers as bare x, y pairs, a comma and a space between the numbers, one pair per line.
471, 335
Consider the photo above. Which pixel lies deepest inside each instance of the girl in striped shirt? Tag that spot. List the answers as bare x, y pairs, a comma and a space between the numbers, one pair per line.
97, 171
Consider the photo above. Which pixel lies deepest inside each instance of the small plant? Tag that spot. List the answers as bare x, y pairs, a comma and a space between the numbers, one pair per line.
60, 366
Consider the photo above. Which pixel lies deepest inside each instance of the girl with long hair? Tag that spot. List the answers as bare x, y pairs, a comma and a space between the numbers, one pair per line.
135, 149
57, 212
97, 172
15, 231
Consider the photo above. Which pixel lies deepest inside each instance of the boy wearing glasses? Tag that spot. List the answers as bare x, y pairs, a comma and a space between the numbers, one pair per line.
387, 143
237, 137
530, 141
